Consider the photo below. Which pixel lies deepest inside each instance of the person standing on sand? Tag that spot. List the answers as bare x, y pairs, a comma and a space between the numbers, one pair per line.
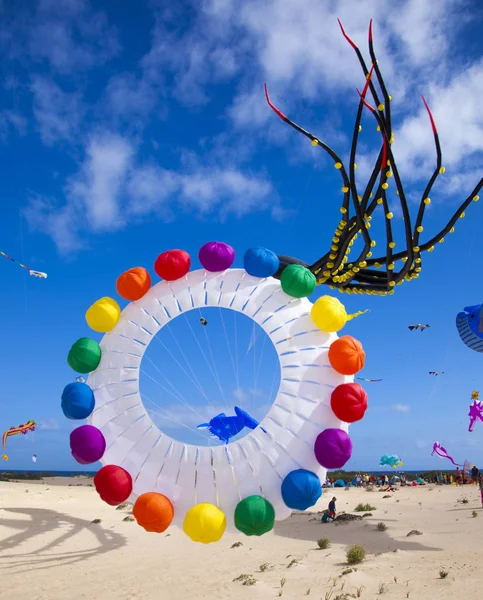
475, 474
332, 508
458, 476
481, 489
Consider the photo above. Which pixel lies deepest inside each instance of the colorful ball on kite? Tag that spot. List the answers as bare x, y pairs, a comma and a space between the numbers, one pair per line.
113, 484
328, 314
261, 262
204, 523
216, 256
301, 489
133, 284
297, 281
153, 511
77, 401
346, 355
84, 355
103, 315
333, 448
349, 402
172, 264
87, 444
254, 516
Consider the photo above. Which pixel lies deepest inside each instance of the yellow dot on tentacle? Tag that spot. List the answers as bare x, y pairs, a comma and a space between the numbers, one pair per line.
345, 189
314, 142
363, 264
389, 215
462, 215
442, 170
417, 260
404, 259
416, 249
330, 265
371, 195
368, 225
356, 269
334, 248
385, 186
343, 210
355, 166
392, 244
388, 173
451, 230
390, 98
332, 256
373, 243
427, 201
430, 249
420, 229
388, 163
390, 266
391, 292
380, 107
392, 283
326, 273
441, 241
378, 128
379, 201
397, 192
417, 269
377, 265
338, 165
476, 198
369, 254
360, 127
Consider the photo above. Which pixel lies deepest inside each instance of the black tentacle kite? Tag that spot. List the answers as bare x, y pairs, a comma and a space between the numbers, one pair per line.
366, 274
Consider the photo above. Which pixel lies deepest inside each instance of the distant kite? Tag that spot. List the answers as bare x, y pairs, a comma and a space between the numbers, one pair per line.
23, 429
476, 411
436, 372
38, 274
368, 380
203, 321
418, 326
442, 453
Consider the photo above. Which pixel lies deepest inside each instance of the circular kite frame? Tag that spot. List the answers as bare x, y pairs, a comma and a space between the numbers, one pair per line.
266, 460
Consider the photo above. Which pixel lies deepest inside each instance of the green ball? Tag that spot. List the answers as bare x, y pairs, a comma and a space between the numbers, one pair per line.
254, 516
297, 281
84, 356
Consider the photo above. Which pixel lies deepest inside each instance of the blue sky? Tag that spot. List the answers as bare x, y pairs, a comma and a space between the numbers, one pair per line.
130, 128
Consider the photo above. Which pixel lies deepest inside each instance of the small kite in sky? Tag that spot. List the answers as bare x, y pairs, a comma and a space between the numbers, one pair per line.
368, 380
32, 272
203, 321
442, 453
418, 326
436, 372
23, 429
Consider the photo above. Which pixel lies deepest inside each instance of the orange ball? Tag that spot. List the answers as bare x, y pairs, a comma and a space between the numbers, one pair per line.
153, 511
346, 355
133, 284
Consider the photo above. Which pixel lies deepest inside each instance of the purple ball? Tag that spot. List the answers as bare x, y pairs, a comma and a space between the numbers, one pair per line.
87, 444
333, 448
216, 256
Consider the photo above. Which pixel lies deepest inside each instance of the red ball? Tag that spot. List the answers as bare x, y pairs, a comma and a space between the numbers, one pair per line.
113, 484
349, 402
172, 264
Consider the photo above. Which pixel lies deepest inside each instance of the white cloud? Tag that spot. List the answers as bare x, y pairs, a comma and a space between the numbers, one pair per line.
401, 408
110, 188
49, 425
58, 113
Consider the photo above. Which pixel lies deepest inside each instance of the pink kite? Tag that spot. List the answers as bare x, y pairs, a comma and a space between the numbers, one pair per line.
476, 411
442, 453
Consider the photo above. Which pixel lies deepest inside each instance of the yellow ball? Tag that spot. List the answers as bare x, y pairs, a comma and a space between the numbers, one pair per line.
103, 315
328, 314
204, 523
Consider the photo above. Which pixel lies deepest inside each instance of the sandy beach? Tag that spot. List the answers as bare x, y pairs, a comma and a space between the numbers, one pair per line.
50, 549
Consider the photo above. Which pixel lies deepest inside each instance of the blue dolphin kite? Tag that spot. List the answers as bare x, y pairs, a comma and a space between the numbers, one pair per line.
470, 327
224, 428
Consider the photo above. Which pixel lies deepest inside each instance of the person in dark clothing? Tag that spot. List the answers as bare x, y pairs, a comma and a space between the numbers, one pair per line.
475, 474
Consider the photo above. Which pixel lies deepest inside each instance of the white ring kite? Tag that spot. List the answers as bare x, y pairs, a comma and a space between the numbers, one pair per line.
221, 476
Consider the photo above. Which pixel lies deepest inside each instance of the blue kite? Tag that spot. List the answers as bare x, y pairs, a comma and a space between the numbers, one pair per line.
470, 327
224, 428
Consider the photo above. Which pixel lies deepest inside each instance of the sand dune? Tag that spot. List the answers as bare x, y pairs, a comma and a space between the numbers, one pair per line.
51, 550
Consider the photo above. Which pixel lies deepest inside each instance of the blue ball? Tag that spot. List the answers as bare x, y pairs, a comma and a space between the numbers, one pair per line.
261, 262
77, 400
301, 489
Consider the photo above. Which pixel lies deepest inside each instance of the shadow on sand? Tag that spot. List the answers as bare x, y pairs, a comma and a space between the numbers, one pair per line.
57, 528
308, 527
